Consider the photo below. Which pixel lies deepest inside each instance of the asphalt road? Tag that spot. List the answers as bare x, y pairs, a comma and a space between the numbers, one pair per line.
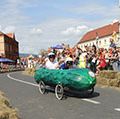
24, 95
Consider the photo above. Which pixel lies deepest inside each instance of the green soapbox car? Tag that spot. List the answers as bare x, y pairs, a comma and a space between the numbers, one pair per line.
73, 79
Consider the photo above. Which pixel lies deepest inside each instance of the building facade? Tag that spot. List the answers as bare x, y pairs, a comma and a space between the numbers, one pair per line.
101, 36
9, 47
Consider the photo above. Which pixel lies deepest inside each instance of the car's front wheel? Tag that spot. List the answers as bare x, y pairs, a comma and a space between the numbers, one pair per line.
42, 87
59, 91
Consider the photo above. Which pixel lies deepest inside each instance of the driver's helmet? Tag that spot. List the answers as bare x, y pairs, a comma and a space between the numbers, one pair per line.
51, 55
69, 61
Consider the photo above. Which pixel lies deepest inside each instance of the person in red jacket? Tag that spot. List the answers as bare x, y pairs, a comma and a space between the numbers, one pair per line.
102, 62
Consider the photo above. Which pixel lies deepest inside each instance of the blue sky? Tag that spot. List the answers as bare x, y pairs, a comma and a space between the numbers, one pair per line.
40, 24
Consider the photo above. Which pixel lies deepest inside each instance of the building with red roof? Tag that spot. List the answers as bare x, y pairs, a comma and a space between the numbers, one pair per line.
101, 36
9, 47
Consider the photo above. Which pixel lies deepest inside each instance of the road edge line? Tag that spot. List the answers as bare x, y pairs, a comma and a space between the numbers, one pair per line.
18, 80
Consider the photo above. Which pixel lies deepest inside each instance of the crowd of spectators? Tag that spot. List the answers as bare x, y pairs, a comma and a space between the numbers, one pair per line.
7, 67
92, 57
10, 65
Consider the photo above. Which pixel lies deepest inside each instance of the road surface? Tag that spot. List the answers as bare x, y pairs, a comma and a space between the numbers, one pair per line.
24, 95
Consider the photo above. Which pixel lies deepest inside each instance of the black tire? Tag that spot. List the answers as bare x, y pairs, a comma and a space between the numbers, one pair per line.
59, 92
91, 91
42, 87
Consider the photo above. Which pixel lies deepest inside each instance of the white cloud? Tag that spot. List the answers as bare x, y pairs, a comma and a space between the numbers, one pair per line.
9, 29
97, 10
88, 8
69, 31
115, 20
0, 28
36, 31
74, 30
30, 42
33, 37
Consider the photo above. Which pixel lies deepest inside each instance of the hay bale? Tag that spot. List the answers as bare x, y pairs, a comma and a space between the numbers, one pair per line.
6, 111
29, 71
4, 100
8, 114
32, 71
13, 114
101, 81
117, 75
108, 74
113, 82
4, 115
109, 78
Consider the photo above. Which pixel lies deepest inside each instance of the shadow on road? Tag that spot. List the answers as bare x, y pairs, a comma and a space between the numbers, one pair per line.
76, 94
81, 94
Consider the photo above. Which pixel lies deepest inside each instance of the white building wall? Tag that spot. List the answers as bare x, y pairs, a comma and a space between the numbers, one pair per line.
102, 43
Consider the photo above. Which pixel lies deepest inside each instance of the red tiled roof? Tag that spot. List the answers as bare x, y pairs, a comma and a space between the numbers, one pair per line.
11, 35
101, 32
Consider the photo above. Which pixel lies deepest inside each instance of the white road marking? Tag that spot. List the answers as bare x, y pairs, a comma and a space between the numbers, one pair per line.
117, 109
89, 100
25, 82
33, 84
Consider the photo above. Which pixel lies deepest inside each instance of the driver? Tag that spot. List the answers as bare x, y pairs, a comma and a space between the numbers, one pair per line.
50, 62
68, 64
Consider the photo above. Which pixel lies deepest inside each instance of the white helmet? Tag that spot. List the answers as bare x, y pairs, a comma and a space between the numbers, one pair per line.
69, 59
51, 54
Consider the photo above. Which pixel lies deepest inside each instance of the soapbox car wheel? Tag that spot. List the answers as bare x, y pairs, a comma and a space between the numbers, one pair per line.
91, 91
42, 87
59, 91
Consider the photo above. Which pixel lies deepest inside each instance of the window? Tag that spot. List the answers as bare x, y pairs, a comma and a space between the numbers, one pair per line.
7, 47
99, 42
105, 41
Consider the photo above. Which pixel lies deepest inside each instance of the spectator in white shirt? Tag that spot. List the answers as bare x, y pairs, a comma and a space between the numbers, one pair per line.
50, 61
